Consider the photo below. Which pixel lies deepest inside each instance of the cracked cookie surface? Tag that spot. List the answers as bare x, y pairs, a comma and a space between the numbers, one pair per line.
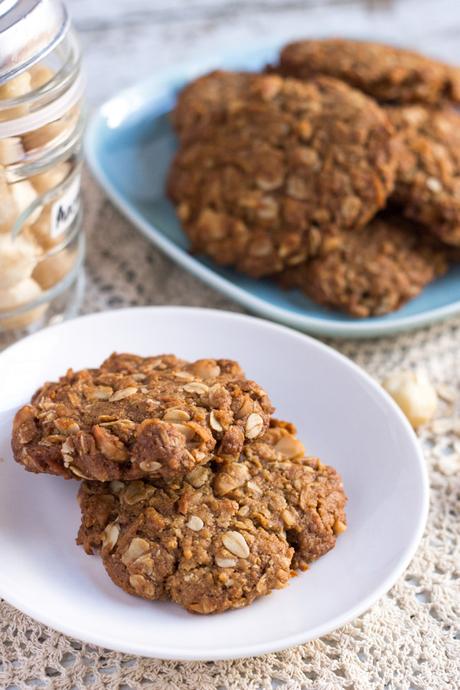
204, 100
139, 417
288, 161
386, 73
428, 174
228, 534
372, 272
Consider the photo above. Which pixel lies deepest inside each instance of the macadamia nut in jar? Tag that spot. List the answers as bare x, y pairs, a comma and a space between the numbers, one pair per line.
41, 126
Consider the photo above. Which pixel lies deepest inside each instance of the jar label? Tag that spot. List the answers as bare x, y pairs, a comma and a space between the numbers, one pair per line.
65, 209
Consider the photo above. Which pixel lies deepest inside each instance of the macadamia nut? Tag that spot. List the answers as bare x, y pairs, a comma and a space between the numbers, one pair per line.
22, 293
414, 394
42, 136
50, 178
8, 208
11, 150
40, 75
17, 260
12, 89
53, 269
41, 229
16, 87
24, 195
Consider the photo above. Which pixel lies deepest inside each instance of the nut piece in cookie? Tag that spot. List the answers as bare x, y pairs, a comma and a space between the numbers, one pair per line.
428, 175
139, 417
287, 162
223, 537
372, 272
204, 100
387, 73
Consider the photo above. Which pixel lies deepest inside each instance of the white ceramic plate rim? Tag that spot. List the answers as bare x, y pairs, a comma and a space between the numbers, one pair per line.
255, 649
310, 324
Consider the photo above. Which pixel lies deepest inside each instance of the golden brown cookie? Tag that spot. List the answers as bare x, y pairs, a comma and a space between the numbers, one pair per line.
428, 175
291, 161
227, 534
205, 100
385, 72
139, 417
372, 272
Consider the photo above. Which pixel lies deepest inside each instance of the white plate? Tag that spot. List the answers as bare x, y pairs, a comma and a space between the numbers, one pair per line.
342, 415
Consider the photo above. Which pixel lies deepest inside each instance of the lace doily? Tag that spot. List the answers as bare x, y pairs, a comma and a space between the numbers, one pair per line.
410, 640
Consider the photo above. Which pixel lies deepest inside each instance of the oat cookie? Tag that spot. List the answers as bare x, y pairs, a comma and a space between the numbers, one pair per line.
139, 417
227, 534
204, 100
385, 72
428, 174
257, 191
372, 272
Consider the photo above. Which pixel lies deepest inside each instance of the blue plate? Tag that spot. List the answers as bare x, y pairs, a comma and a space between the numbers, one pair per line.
129, 146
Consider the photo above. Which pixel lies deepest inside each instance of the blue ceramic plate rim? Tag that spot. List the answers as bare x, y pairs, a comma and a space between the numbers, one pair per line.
145, 91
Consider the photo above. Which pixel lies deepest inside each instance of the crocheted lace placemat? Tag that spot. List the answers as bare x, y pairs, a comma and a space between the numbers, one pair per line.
409, 640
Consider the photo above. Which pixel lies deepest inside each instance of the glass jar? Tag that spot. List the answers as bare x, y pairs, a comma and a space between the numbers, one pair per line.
41, 127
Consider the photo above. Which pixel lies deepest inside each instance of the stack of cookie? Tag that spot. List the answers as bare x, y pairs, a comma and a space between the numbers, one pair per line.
336, 172
190, 490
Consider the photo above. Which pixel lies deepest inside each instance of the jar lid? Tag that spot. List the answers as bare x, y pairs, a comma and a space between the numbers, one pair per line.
29, 29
